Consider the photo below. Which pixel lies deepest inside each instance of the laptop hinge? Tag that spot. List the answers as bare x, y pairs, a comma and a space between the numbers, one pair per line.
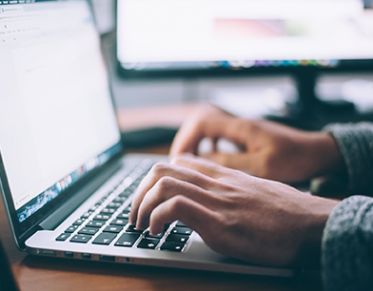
58, 216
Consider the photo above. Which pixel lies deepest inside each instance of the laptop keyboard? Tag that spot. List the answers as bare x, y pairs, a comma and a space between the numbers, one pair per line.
106, 223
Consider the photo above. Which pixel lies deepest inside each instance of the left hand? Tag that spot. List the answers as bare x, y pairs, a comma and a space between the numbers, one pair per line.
237, 215
267, 149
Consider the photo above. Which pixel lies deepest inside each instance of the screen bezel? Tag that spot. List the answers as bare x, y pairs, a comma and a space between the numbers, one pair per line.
22, 231
344, 66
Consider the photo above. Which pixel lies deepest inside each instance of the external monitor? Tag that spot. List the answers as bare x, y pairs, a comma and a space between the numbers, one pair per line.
230, 37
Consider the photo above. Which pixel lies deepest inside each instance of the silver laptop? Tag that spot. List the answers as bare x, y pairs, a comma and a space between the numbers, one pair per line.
66, 184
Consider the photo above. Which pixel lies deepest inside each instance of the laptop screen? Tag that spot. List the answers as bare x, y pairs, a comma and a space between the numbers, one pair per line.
57, 121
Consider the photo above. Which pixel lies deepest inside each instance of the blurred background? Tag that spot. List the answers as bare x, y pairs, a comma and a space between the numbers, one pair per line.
288, 61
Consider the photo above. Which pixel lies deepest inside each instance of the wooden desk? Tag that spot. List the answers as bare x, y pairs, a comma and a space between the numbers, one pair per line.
34, 273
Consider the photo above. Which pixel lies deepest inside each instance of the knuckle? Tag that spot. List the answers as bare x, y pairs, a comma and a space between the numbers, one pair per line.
178, 160
220, 159
227, 188
165, 183
224, 160
160, 168
244, 125
177, 204
194, 124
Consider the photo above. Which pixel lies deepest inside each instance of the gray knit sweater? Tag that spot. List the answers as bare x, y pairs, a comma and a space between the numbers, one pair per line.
347, 247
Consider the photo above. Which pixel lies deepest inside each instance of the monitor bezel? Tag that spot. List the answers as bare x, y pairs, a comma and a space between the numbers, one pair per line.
23, 230
344, 66
353, 66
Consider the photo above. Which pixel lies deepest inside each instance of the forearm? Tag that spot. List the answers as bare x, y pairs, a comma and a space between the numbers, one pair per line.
347, 252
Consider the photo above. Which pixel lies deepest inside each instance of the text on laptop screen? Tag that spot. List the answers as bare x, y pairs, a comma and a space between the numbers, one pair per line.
57, 121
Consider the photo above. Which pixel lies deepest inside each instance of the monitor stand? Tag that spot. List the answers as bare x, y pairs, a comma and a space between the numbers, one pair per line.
308, 111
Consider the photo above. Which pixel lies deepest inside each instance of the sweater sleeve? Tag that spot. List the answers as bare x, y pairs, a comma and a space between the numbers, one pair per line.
355, 142
347, 247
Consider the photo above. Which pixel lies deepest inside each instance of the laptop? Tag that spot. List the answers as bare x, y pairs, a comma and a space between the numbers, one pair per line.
66, 184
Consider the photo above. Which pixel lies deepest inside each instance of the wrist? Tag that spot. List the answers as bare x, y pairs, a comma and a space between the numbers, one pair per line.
309, 252
326, 154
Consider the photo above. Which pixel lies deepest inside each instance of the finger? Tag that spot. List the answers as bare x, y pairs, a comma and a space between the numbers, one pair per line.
165, 189
198, 164
187, 139
196, 216
166, 170
212, 126
240, 161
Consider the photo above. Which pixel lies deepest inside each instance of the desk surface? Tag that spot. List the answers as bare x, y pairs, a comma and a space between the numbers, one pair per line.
34, 273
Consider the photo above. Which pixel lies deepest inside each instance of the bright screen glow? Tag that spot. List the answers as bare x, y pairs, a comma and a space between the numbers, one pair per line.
168, 33
56, 115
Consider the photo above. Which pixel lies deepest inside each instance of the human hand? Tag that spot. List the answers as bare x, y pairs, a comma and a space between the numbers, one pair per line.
268, 150
237, 215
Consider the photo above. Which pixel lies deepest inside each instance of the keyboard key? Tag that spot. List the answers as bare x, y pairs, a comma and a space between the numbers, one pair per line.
88, 230
95, 223
104, 238
181, 230
113, 228
148, 243
102, 217
86, 215
121, 222
79, 221
125, 194
181, 224
93, 209
179, 238
81, 238
127, 240
63, 236
172, 246
148, 235
123, 216
72, 228
119, 200
131, 229
108, 211
114, 205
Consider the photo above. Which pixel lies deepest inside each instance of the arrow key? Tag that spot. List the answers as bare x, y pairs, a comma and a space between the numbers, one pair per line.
104, 238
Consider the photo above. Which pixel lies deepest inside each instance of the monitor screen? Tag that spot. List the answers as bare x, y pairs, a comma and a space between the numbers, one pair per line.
156, 35
57, 121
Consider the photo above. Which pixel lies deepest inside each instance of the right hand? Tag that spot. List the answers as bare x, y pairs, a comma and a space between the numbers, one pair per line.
268, 150
237, 215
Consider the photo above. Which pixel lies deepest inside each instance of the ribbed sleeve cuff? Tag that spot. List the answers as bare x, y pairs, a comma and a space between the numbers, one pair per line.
355, 142
347, 250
